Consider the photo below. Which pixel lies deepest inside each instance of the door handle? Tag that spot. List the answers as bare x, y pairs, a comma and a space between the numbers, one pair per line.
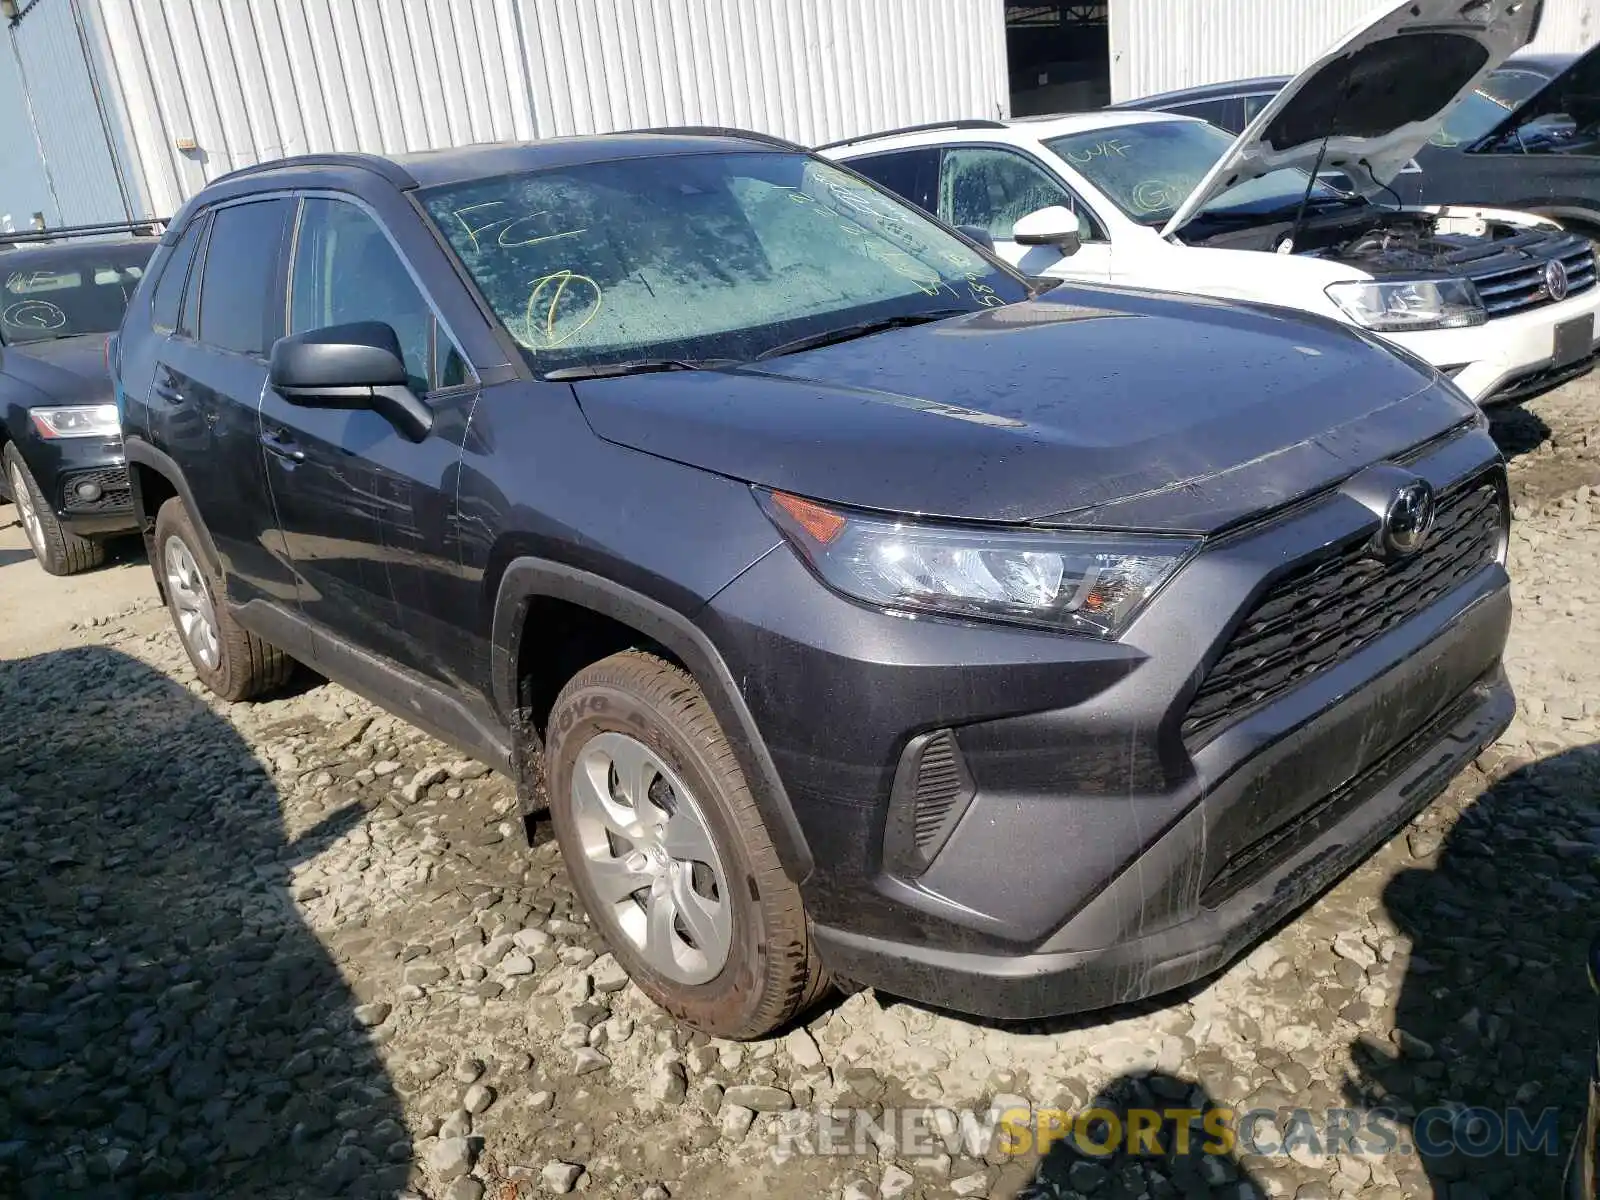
278, 444
168, 392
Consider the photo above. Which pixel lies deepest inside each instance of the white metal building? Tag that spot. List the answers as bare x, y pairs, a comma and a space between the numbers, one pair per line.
111, 109
1162, 45
137, 103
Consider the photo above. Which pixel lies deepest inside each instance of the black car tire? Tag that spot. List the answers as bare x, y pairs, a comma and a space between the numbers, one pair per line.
58, 550
246, 666
772, 973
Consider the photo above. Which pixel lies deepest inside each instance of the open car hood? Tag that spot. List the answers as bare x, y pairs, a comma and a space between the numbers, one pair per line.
1375, 97
1576, 91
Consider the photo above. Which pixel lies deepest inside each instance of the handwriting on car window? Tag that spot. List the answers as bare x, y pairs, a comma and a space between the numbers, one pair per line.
515, 229
1156, 195
34, 314
1106, 149
560, 305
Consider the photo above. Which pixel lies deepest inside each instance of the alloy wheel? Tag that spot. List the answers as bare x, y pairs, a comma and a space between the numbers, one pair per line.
649, 854
22, 497
191, 604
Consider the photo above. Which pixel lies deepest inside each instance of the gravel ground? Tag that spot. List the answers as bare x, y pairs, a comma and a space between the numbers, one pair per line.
296, 949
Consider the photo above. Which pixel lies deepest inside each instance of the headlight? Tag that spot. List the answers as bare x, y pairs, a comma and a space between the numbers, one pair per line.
77, 420
1395, 306
1085, 583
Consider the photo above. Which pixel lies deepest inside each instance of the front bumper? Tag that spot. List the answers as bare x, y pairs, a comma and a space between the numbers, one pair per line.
61, 466
1510, 356
1099, 851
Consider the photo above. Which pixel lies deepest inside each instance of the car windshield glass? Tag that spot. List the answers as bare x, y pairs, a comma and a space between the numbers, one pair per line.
56, 295
701, 257
1480, 111
1148, 170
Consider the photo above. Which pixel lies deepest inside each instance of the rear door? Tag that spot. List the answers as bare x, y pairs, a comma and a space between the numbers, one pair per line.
993, 187
367, 513
207, 385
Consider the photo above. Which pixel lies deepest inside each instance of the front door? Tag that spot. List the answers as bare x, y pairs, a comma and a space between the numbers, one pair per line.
993, 187
366, 512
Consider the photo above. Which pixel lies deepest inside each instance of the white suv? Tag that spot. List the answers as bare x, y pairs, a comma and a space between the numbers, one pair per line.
1504, 302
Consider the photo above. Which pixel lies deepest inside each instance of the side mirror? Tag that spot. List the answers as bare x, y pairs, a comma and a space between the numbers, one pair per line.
976, 233
1054, 226
359, 365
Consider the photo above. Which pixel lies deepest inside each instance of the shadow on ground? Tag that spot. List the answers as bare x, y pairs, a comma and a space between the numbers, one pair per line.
168, 1024
1495, 1020
1143, 1135
1517, 430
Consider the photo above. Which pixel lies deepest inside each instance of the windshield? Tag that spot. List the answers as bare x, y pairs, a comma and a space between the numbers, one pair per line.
64, 295
703, 256
1148, 170
1480, 111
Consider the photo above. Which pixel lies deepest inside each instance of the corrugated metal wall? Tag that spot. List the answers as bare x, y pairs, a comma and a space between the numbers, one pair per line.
24, 190
84, 155
1161, 45
205, 86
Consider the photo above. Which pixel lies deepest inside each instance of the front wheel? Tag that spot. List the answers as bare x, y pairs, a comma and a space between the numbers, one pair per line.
668, 853
58, 550
229, 659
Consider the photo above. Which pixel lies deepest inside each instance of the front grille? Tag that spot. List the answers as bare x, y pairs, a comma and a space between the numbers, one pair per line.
114, 491
1513, 288
1326, 610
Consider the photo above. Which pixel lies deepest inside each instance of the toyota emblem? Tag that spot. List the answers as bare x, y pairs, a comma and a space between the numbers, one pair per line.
1409, 518
1556, 281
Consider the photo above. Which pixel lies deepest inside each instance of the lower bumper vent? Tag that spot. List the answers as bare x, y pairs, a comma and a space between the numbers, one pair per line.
932, 789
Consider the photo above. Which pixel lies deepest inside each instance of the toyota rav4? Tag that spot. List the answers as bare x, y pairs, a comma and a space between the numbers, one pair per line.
858, 612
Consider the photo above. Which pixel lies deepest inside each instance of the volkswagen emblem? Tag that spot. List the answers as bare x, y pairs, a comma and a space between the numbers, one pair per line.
1555, 279
1409, 518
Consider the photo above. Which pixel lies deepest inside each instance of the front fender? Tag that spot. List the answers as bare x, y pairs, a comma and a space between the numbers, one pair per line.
526, 578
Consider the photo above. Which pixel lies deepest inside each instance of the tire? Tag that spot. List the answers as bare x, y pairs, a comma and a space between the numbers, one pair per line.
615, 709
230, 660
58, 550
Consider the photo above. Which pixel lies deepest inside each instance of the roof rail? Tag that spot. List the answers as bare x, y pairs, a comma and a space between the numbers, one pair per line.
928, 128
147, 227
377, 164
728, 131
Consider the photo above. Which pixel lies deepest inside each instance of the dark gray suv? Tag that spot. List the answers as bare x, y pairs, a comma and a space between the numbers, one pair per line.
857, 611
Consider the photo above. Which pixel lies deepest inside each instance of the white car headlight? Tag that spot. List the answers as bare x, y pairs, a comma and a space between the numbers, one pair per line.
1083, 583
1395, 306
77, 420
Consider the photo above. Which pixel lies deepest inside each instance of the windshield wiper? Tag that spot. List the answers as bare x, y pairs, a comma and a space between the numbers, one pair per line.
846, 333
636, 366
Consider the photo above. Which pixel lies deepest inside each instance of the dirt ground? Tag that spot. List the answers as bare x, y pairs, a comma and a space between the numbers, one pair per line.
297, 949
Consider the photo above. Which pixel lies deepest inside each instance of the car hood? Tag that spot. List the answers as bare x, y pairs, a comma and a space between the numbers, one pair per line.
1578, 87
60, 367
1375, 97
1088, 406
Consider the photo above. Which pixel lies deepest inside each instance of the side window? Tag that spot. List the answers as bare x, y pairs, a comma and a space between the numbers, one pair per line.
910, 174
346, 269
168, 298
189, 315
450, 369
1223, 112
993, 188
1253, 106
240, 305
